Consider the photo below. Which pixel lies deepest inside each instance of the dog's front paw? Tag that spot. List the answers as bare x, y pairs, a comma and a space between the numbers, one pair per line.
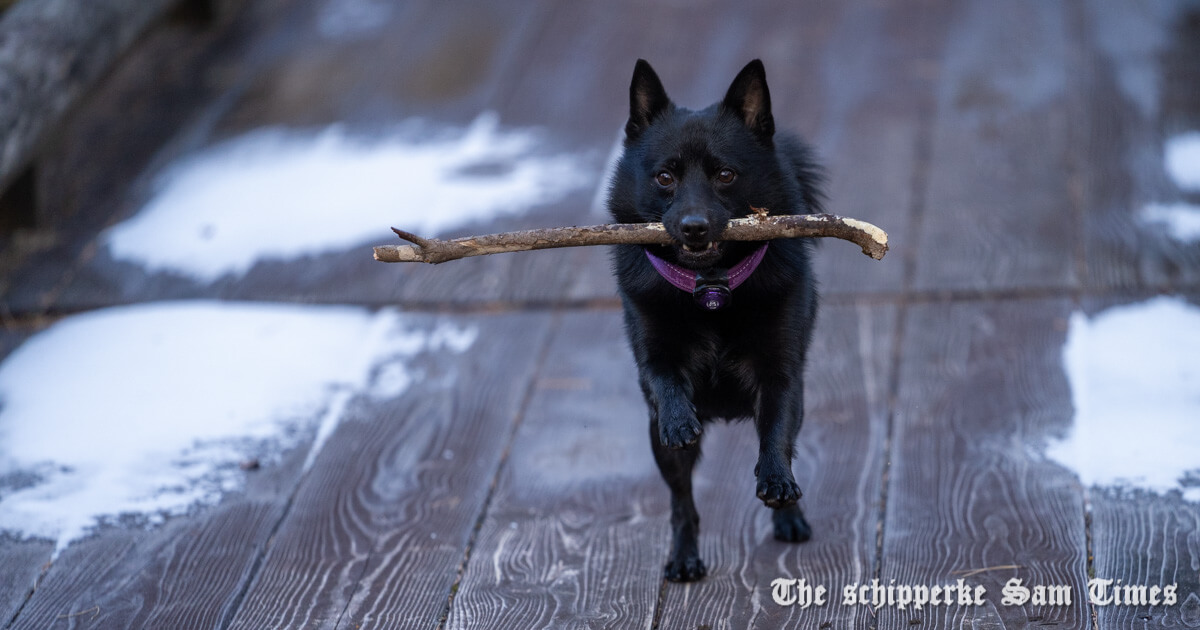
685, 568
790, 525
679, 432
778, 490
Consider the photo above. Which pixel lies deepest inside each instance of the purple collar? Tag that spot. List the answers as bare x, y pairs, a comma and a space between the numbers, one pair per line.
710, 292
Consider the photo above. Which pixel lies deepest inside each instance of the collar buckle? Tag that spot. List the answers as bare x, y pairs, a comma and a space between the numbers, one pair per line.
712, 290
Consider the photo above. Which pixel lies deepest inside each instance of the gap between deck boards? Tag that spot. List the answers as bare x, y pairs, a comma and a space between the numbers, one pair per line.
33, 321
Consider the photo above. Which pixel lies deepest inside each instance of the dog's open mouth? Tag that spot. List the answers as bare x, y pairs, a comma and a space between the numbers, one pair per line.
698, 256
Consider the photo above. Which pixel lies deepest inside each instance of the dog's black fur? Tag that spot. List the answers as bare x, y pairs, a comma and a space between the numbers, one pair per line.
694, 171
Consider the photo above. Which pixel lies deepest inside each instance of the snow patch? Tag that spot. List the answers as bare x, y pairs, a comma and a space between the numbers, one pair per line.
1182, 159
1180, 220
1135, 385
277, 194
148, 410
344, 19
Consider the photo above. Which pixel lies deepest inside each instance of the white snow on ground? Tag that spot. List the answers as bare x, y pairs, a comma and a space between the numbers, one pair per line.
1181, 160
1135, 384
1181, 220
148, 410
276, 194
1181, 155
343, 19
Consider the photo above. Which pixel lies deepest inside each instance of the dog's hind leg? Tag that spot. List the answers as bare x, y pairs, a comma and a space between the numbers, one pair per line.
778, 426
675, 464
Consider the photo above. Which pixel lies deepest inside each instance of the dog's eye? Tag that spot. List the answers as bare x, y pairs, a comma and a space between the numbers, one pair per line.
664, 179
726, 176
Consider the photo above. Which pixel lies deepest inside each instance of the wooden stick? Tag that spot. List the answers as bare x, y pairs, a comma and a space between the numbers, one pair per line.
872, 240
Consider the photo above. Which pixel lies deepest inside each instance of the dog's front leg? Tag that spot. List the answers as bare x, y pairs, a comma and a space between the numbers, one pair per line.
779, 415
674, 439
671, 408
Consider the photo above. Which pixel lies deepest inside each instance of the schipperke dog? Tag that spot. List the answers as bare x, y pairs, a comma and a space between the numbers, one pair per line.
720, 330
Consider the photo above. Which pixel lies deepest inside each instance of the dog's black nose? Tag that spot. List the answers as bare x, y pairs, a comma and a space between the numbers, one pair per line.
695, 228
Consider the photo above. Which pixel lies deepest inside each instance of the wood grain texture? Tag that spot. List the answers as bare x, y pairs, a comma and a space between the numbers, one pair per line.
378, 530
1146, 540
136, 580
999, 208
839, 466
576, 532
23, 563
981, 387
1006, 149
1140, 91
877, 74
193, 571
184, 574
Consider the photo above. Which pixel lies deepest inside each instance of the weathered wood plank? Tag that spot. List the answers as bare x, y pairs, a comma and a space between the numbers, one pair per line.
23, 563
378, 529
576, 532
877, 75
1140, 90
1142, 539
194, 571
999, 210
184, 574
264, 92
981, 386
839, 465
1147, 540
572, 82
416, 59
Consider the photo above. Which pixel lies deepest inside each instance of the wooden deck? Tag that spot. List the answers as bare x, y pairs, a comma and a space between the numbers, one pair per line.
1002, 145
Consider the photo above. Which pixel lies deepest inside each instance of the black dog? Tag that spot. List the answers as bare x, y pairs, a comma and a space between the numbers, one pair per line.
719, 329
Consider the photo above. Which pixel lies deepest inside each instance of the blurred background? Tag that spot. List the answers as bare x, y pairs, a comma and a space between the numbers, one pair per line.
1029, 143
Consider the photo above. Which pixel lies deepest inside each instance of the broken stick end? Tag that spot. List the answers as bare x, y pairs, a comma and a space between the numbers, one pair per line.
877, 248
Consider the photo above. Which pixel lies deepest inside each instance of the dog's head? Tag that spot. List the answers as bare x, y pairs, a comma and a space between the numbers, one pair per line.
696, 170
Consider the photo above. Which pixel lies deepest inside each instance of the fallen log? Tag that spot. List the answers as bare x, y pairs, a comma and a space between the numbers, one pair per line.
872, 240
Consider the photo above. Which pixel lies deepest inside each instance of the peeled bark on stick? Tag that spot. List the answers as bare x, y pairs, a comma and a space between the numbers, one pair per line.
872, 240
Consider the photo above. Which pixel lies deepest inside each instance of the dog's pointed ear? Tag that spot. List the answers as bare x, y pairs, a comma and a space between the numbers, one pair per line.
647, 99
750, 101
